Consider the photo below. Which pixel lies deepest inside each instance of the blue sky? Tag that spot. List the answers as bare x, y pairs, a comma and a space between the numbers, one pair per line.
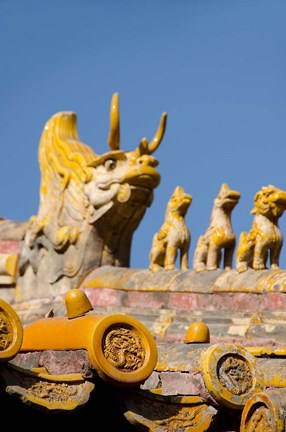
217, 67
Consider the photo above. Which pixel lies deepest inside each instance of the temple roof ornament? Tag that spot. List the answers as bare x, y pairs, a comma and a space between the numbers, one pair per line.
173, 237
265, 238
90, 205
219, 236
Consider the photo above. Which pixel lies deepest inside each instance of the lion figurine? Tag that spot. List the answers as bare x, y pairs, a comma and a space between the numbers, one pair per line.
265, 237
219, 235
173, 236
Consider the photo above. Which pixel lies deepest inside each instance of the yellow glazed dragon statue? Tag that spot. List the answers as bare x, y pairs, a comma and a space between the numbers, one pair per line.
90, 204
265, 237
219, 235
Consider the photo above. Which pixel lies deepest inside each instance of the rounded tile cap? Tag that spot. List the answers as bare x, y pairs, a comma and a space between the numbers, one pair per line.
198, 332
77, 303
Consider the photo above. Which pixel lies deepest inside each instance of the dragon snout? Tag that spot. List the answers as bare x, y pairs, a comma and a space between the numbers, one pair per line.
142, 171
147, 160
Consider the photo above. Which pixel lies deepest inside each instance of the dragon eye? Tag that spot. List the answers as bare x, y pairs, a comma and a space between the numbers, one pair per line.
110, 164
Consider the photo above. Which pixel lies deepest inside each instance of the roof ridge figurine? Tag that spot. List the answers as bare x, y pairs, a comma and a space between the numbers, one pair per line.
265, 237
90, 204
173, 235
219, 236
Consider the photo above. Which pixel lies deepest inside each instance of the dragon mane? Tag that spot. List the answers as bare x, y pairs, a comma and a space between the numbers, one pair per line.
64, 161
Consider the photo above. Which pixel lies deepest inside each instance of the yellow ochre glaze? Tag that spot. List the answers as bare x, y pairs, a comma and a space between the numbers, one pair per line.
104, 338
11, 332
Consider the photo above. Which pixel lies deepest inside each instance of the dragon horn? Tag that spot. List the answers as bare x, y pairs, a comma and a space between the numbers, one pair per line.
114, 134
154, 144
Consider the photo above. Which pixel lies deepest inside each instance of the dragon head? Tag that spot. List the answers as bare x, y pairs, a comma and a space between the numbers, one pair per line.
117, 174
90, 181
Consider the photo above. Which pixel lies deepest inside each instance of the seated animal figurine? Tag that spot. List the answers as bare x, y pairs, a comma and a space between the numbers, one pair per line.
265, 235
219, 234
173, 235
